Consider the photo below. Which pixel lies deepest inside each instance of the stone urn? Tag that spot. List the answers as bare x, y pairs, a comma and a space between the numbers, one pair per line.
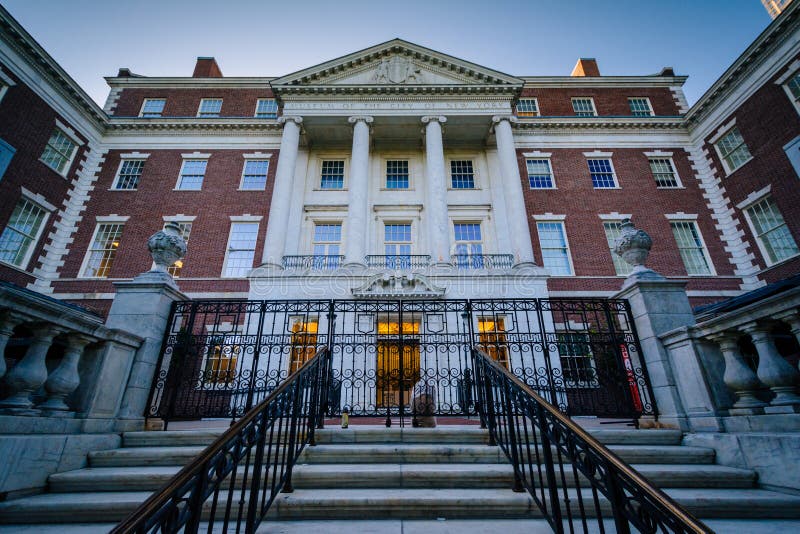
166, 247
633, 245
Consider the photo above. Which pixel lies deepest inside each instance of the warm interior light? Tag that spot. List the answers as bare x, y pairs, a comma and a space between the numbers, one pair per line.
178, 264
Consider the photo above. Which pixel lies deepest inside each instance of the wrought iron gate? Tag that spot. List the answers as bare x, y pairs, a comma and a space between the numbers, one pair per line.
392, 358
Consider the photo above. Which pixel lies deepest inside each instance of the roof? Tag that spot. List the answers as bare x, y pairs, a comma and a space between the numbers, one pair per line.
750, 297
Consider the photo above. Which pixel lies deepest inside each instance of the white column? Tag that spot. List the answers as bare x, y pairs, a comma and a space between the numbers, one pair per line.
436, 190
512, 188
278, 221
358, 186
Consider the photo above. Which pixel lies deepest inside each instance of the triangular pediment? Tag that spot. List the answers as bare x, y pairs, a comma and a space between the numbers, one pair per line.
397, 63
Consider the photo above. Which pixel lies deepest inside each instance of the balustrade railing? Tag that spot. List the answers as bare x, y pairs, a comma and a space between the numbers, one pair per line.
317, 263
231, 485
400, 262
483, 261
577, 483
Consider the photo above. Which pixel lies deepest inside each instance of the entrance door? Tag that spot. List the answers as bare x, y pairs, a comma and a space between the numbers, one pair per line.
398, 363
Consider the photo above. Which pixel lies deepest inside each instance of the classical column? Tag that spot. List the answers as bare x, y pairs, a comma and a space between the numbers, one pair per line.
738, 376
278, 221
8, 321
436, 190
65, 379
356, 240
30, 373
512, 189
773, 369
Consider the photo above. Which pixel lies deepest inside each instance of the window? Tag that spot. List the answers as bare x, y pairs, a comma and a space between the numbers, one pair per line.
59, 151
21, 233
462, 174
577, 361
332, 174
129, 173
602, 172
397, 174
793, 88
664, 172
221, 359
254, 175
304, 340
153, 107
527, 107
241, 249
6, 154
102, 250
397, 245
209, 107
469, 245
327, 245
192, 173
185, 229
555, 251
774, 239
492, 338
693, 251
733, 150
540, 174
266, 108
584, 107
640, 107
3, 88
613, 229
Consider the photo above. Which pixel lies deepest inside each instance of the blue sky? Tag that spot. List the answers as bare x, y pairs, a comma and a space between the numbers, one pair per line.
93, 38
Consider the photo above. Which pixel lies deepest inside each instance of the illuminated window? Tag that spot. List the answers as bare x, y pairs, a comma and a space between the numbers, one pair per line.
185, 228
554, 247
527, 107
613, 229
769, 227
222, 355
693, 251
254, 175
733, 150
326, 245
153, 107
469, 245
20, 235
192, 173
102, 250
266, 108
664, 173
602, 171
397, 174
241, 249
492, 338
462, 174
209, 107
59, 151
304, 340
332, 174
540, 174
584, 107
129, 173
640, 107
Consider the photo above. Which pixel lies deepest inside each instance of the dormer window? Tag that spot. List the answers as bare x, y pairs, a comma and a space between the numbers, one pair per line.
210, 107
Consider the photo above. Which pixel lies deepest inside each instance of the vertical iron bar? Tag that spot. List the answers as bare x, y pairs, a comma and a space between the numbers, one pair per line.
255, 482
550, 471
512, 436
288, 488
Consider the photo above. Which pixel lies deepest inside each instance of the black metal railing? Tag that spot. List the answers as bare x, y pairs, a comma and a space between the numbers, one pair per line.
577, 483
230, 486
483, 261
315, 263
400, 262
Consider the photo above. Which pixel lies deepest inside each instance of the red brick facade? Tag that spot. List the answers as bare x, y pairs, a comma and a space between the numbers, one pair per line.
609, 102
185, 102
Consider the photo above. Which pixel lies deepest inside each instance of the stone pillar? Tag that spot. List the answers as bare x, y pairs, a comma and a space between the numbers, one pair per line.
65, 379
512, 189
436, 191
8, 321
358, 192
30, 373
773, 369
275, 244
738, 376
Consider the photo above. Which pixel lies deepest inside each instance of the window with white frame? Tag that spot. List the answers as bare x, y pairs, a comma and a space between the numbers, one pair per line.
584, 107
397, 174
327, 245
102, 250
793, 88
690, 245
733, 150
6, 83
192, 173
254, 174
266, 108
527, 107
540, 174
602, 172
129, 174
773, 236
397, 245
184, 228
153, 107
22, 232
554, 247
241, 249
59, 151
577, 360
613, 230
3, 89
462, 174
640, 107
209, 107
664, 173
332, 174
468, 245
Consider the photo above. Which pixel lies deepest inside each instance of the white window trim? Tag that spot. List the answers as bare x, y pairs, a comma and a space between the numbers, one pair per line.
543, 156
253, 219
257, 155
613, 217
397, 214
314, 220
791, 70
7, 82
754, 197
254, 156
99, 220
720, 135
667, 156
561, 219
255, 111
476, 177
144, 103
764, 254
690, 218
610, 163
40, 201
538, 110
179, 218
590, 99
649, 104
192, 156
537, 155
316, 173
69, 132
122, 160
411, 221
411, 177
200, 107
246, 218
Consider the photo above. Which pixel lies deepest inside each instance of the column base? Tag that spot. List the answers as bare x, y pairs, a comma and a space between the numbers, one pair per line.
63, 414
784, 396
28, 412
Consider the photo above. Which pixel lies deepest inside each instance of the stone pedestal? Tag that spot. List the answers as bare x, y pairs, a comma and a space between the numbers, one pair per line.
142, 306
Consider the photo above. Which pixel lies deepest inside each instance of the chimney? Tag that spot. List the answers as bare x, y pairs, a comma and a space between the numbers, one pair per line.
586, 66
667, 71
206, 67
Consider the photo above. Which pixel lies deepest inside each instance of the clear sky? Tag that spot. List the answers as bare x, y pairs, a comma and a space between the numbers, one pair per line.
93, 38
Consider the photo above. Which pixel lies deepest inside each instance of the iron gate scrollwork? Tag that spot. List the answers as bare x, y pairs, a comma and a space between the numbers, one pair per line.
393, 358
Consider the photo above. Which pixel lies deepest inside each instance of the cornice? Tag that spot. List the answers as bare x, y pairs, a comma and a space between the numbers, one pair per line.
604, 123
547, 82
214, 125
285, 91
175, 82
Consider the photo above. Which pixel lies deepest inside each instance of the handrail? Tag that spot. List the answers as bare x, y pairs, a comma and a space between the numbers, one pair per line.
265, 443
515, 414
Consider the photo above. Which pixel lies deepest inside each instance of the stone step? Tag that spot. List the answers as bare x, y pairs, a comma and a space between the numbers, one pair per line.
143, 456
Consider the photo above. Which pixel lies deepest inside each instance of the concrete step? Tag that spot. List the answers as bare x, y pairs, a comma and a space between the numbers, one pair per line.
142, 456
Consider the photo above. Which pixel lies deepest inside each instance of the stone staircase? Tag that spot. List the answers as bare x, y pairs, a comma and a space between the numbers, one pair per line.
374, 473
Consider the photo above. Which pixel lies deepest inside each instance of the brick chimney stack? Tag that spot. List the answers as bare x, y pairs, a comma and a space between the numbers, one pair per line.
586, 66
206, 67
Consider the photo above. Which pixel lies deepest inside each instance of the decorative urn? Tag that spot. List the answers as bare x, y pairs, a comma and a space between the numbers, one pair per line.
633, 245
166, 247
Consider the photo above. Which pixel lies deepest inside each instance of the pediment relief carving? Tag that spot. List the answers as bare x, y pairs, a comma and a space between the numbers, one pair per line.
396, 284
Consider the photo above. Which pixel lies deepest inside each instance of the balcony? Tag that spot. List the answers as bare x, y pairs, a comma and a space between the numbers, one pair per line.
403, 262
482, 261
314, 263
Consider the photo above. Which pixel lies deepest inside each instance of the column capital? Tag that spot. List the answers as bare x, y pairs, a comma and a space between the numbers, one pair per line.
755, 329
727, 339
441, 119
356, 118
497, 119
298, 120
79, 341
